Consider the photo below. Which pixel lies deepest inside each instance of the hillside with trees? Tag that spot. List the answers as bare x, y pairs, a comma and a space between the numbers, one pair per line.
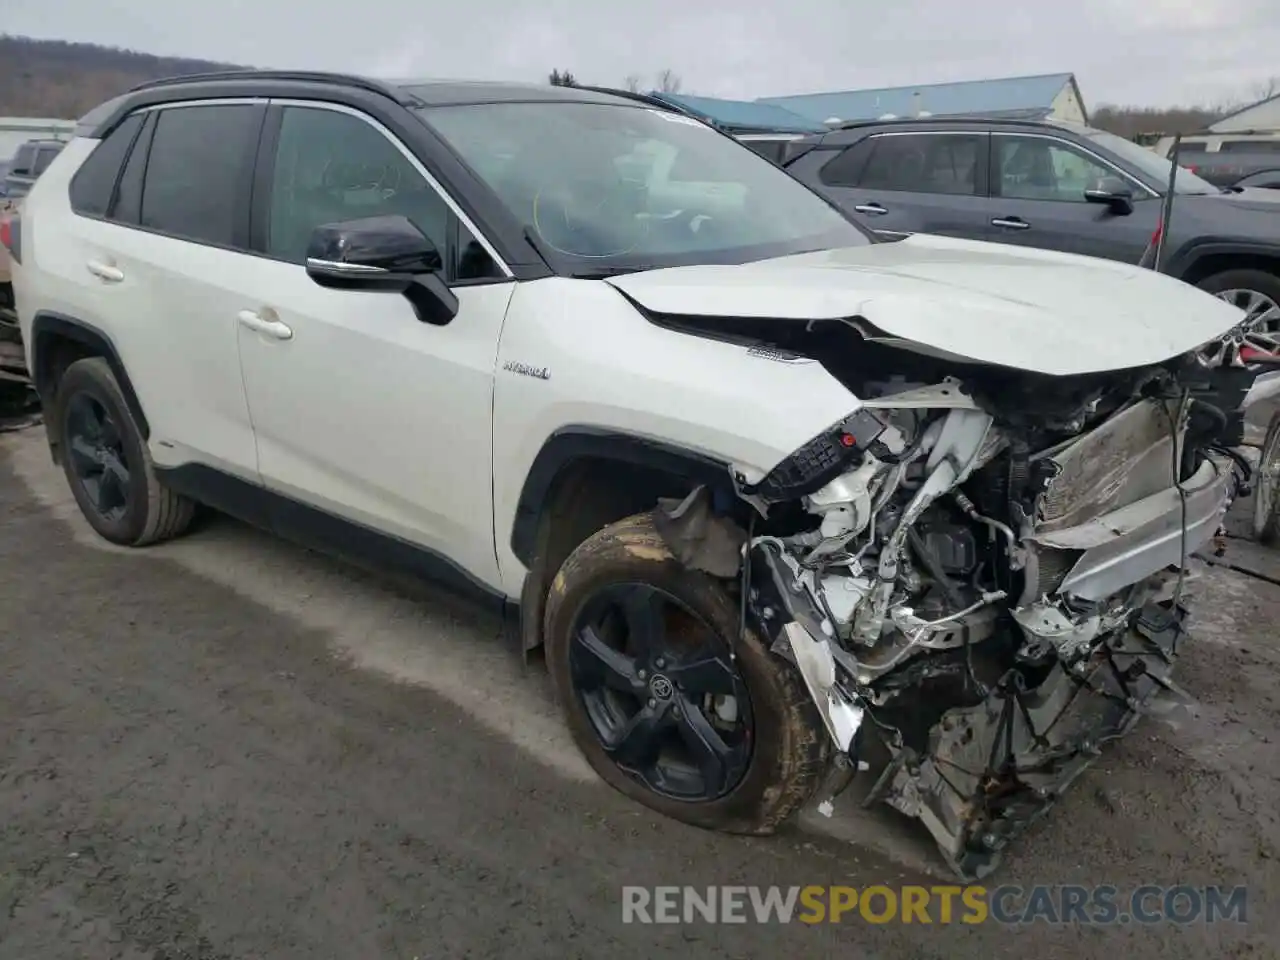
54, 78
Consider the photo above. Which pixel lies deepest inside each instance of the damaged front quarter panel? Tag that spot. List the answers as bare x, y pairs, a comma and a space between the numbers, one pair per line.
974, 574
992, 769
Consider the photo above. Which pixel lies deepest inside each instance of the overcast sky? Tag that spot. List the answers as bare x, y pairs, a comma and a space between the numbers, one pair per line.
1156, 52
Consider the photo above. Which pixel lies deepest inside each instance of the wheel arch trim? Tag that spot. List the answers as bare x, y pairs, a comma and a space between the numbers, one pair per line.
572, 444
1188, 257
48, 327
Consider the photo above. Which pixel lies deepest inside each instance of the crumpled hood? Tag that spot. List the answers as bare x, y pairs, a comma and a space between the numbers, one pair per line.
1018, 307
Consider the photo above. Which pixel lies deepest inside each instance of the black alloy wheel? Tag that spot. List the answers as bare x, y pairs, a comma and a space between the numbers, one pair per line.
106, 461
97, 457
662, 692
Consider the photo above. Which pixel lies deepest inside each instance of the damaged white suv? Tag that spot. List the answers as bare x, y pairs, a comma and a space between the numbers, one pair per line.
777, 498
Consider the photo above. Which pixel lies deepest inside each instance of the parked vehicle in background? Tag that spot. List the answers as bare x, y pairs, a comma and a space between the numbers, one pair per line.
1261, 141
1056, 186
1265, 179
13, 367
4, 172
31, 160
749, 475
1227, 169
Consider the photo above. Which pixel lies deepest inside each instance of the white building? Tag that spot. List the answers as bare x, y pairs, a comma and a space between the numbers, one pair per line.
1263, 116
15, 131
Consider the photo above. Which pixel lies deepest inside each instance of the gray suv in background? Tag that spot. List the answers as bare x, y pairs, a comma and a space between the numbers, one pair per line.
27, 164
1054, 185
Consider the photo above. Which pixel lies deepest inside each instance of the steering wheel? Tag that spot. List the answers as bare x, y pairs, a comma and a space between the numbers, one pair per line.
589, 218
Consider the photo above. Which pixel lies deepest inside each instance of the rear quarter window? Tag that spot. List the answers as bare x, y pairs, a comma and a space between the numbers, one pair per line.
95, 182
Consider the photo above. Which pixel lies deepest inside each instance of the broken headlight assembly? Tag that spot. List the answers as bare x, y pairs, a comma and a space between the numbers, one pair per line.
956, 581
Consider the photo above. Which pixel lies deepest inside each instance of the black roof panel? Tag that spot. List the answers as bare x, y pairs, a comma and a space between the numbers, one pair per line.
419, 93
440, 93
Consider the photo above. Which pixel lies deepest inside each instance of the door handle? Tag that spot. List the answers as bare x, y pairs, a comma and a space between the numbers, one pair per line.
104, 271
268, 326
872, 208
1013, 223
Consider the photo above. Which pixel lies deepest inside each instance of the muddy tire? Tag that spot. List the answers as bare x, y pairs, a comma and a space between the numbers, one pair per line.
1266, 488
106, 461
788, 748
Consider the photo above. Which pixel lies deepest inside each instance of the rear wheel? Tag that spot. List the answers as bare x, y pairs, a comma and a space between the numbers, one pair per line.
107, 463
667, 701
1258, 295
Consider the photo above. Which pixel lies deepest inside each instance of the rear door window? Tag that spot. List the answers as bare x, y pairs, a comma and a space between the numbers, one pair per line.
924, 163
845, 168
198, 173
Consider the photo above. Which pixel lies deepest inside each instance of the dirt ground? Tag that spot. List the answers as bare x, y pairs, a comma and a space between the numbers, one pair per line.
226, 747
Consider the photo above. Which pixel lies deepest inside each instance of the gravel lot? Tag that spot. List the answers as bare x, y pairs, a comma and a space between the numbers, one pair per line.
226, 747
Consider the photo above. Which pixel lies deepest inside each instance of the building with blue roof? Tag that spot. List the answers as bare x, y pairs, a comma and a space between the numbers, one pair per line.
743, 116
1048, 95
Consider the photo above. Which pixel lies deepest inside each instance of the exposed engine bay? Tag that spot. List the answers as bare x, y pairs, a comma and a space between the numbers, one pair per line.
978, 574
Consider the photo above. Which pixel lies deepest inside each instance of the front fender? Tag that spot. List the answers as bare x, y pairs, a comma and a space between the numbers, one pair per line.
576, 356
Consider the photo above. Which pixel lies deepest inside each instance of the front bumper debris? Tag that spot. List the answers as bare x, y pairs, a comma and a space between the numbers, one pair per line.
1134, 542
992, 770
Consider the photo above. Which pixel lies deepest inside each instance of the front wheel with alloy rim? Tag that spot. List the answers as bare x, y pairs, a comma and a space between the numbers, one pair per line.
1258, 295
668, 701
1266, 505
107, 463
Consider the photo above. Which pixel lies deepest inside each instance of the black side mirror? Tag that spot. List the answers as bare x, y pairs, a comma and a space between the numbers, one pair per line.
1114, 192
386, 255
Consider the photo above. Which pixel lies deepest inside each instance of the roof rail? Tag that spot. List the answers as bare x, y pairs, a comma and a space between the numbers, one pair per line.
635, 95
309, 76
942, 118
656, 101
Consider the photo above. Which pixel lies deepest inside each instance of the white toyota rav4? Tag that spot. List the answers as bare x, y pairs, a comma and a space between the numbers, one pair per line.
784, 503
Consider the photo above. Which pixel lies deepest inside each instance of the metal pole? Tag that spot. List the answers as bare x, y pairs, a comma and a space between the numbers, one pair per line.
1166, 209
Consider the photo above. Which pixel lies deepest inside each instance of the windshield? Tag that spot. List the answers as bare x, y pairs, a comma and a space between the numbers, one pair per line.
1150, 163
615, 187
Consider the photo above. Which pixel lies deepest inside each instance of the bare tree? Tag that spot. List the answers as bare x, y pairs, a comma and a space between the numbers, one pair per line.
1265, 89
1132, 122
668, 81
632, 82
561, 78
